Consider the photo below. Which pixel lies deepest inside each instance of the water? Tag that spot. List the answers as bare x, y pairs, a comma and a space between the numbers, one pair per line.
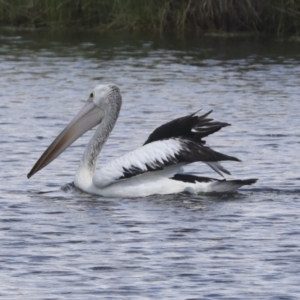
70, 245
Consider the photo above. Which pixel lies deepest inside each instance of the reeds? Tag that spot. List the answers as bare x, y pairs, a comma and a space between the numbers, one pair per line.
266, 16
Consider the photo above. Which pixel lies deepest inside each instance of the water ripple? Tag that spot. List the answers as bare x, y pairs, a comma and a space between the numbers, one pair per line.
58, 242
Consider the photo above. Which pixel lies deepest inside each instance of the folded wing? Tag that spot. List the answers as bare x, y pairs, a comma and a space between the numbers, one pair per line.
157, 156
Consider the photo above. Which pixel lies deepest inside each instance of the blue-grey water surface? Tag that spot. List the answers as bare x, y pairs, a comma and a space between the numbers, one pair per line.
59, 244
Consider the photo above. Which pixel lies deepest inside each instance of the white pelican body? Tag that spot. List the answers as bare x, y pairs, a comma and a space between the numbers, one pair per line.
154, 168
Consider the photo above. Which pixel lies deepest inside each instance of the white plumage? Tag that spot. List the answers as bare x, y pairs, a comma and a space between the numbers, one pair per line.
140, 158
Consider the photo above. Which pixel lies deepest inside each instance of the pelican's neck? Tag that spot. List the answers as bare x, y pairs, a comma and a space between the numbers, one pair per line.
86, 170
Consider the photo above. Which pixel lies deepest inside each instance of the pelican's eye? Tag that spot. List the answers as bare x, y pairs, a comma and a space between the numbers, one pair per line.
91, 96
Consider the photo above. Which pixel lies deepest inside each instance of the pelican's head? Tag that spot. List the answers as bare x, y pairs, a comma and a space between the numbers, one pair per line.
104, 100
106, 97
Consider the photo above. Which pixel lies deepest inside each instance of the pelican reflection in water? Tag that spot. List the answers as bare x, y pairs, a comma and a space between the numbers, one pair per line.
154, 168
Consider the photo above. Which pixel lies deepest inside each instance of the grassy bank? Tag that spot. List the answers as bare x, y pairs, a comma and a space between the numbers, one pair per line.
263, 16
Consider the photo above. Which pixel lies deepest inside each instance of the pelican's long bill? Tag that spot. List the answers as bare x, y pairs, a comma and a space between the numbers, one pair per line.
89, 116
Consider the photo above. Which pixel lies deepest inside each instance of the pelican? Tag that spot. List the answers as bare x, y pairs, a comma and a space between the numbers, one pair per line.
154, 168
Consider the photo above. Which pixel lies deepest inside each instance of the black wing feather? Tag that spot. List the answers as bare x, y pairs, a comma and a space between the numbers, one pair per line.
194, 151
194, 178
191, 127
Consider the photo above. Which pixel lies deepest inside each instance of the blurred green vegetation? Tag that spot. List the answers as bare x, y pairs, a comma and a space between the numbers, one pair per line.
261, 16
